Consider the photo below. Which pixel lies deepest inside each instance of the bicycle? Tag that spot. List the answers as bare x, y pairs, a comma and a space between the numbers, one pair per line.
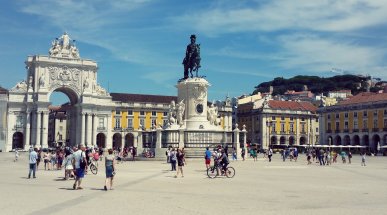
213, 171
93, 166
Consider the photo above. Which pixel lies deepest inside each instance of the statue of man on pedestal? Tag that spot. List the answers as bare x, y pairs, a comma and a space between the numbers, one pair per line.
192, 58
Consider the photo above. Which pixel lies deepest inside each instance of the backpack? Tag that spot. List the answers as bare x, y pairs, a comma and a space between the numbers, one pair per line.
82, 162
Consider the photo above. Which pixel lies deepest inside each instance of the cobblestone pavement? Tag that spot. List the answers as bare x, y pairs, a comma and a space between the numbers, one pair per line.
148, 187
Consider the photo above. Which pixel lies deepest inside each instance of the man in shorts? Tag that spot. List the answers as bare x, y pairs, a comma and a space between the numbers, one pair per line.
207, 157
78, 157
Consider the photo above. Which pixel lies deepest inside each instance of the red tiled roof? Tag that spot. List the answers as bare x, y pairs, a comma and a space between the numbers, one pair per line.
126, 97
3, 90
366, 97
292, 105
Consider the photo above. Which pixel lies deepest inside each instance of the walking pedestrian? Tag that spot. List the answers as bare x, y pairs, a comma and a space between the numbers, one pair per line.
243, 153
79, 164
109, 169
32, 160
363, 157
173, 159
349, 157
47, 160
168, 154
39, 159
269, 153
295, 153
308, 157
234, 154
16, 155
68, 165
343, 155
180, 162
207, 158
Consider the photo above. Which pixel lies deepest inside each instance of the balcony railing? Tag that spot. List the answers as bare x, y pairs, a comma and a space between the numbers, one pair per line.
101, 129
375, 129
129, 129
117, 128
346, 130
364, 130
329, 131
355, 130
337, 131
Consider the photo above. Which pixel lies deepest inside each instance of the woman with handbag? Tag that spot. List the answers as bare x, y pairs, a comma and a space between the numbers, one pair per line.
110, 169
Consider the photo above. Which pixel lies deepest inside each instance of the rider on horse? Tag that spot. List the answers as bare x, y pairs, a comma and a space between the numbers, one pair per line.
192, 58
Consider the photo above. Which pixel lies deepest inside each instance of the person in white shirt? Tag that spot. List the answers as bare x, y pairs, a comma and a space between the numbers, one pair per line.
68, 166
32, 160
79, 164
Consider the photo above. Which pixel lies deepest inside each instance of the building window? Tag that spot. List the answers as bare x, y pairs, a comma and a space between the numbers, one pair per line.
142, 113
291, 118
165, 114
302, 119
355, 114
60, 137
303, 128
153, 113
365, 124
375, 123
154, 123
365, 113
282, 127
337, 125
130, 123
385, 123
316, 130
165, 122
101, 122
316, 119
118, 112
329, 116
376, 113
346, 125
282, 118
130, 112
19, 121
385, 112
355, 125
346, 114
273, 118
337, 116
273, 127
329, 126
291, 127
142, 122
118, 122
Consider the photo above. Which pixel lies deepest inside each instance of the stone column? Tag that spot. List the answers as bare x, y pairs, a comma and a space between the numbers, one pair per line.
159, 151
181, 138
83, 131
89, 130
38, 128
139, 142
27, 142
236, 143
45, 130
94, 132
109, 141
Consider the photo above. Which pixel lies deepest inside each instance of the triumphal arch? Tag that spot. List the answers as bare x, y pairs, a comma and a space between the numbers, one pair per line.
63, 70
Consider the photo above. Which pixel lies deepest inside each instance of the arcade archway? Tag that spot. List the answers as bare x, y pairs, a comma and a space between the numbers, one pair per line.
129, 140
117, 141
101, 140
17, 140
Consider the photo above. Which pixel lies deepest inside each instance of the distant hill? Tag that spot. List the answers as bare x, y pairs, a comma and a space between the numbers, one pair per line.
316, 84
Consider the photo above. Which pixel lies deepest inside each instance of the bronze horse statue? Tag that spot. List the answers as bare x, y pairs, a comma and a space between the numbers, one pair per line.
192, 58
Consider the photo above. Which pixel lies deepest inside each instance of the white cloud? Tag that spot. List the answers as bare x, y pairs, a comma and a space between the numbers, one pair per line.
322, 15
313, 53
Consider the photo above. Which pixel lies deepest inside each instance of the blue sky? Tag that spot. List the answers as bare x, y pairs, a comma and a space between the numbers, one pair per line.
139, 44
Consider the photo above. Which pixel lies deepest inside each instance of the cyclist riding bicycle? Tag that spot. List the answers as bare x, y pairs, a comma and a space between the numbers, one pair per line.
223, 160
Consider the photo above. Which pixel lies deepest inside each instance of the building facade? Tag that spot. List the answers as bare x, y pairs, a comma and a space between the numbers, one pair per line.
281, 123
358, 121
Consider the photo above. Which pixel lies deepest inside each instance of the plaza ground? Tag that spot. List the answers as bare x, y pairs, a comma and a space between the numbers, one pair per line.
148, 187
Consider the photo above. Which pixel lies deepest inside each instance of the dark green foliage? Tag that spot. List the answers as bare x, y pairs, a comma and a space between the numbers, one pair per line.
315, 84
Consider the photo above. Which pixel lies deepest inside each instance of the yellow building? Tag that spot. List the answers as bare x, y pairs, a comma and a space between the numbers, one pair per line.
134, 112
280, 123
358, 121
